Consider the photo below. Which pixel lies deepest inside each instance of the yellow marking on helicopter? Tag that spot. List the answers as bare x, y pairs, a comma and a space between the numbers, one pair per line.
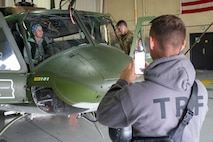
41, 78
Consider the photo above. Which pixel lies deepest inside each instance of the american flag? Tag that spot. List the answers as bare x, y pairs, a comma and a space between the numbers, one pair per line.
193, 6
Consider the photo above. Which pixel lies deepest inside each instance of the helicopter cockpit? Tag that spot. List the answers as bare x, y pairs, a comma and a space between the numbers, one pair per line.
63, 31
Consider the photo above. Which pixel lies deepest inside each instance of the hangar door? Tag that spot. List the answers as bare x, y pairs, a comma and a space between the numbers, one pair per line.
201, 54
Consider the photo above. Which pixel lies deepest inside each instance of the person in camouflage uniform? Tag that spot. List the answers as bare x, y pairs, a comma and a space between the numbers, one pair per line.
126, 36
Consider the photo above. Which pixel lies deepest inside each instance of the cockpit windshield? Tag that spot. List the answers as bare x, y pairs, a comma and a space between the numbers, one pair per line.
61, 31
61, 27
100, 28
58, 28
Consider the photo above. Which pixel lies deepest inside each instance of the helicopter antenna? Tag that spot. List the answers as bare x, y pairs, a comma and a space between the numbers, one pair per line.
60, 5
71, 3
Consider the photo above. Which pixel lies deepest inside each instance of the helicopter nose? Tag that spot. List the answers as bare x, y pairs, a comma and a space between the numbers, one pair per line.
84, 75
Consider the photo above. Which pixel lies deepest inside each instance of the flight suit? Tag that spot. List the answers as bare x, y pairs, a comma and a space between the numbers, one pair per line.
126, 42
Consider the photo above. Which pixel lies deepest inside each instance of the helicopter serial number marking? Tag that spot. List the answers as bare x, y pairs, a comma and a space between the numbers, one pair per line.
6, 89
41, 78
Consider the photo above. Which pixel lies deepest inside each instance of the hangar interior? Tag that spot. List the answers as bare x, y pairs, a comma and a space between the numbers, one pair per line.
65, 129
69, 129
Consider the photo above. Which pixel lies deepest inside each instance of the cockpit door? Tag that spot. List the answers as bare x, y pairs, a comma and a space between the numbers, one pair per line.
13, 69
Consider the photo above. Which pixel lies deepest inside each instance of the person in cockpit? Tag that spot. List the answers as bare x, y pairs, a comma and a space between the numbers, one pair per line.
36, 45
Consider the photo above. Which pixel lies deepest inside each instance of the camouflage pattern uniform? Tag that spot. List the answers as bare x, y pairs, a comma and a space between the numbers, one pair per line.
126, 42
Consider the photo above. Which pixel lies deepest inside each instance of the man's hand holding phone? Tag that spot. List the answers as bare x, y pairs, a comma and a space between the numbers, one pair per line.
140, 61
128, 73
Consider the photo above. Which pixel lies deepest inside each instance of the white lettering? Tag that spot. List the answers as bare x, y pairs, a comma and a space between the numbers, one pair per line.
7, 89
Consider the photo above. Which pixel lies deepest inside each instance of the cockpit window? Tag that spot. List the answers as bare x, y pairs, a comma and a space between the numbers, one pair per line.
54, 26
59, 31
8, 60
63, 31
101, 29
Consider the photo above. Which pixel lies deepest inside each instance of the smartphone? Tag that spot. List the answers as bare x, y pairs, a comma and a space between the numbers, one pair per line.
139, 61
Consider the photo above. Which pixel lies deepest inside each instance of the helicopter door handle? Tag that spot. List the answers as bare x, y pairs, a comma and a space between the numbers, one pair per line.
204, 51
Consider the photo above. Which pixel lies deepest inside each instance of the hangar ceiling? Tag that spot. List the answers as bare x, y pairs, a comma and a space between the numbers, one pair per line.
88, 5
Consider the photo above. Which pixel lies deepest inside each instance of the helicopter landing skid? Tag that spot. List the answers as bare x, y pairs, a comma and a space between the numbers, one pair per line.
12, 122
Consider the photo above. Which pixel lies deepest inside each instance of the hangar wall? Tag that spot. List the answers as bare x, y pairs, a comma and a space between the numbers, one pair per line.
129, 10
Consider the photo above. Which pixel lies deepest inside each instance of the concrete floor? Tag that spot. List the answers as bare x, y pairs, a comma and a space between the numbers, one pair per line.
64, 129
207, 78
54, 129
